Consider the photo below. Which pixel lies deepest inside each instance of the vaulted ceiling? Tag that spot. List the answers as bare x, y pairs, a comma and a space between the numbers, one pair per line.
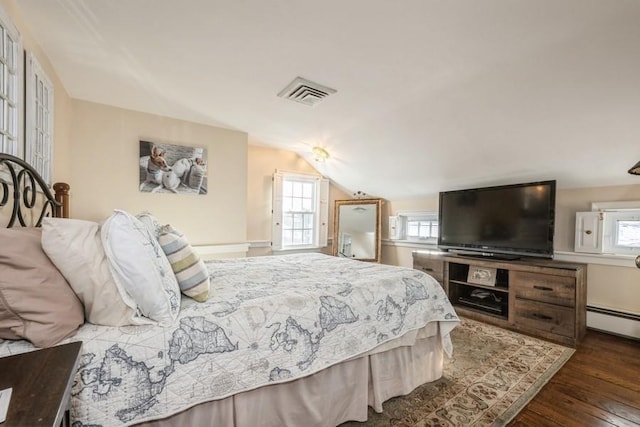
431, 95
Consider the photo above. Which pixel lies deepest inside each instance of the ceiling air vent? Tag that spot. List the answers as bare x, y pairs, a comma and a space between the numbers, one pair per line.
305, 92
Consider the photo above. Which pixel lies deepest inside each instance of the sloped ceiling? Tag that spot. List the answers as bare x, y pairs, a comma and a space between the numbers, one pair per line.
431, 95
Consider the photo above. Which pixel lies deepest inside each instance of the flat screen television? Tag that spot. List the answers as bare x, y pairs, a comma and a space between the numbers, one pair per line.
507, 221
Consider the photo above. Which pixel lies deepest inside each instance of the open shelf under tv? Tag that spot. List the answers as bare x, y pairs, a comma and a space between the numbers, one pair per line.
491, 288
491, 299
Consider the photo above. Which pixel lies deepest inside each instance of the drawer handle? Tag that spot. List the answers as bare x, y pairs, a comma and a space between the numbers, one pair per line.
542, 288
541, 316
427, 269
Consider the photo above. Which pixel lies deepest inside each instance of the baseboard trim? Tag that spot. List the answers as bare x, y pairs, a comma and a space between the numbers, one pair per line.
215, 250
614, 322
253, 244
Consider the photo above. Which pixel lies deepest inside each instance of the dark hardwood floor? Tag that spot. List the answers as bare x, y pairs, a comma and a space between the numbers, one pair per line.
598, 386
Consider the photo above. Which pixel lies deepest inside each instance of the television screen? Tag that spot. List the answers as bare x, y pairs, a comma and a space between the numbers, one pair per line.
510, 219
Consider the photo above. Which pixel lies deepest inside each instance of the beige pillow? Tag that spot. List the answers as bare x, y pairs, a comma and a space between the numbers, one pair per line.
36, 303
75, 247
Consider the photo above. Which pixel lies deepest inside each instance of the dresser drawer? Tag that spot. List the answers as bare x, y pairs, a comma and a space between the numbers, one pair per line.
545, 317
430, 264
559, 290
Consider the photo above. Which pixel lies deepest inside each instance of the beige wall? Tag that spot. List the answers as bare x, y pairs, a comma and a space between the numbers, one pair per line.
105, 172
262, 163
62, 102
612, 287
615, 288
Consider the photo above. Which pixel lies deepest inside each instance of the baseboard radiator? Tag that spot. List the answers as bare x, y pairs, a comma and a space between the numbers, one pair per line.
615, 322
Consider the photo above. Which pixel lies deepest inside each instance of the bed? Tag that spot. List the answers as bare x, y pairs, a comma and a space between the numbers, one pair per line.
303, 339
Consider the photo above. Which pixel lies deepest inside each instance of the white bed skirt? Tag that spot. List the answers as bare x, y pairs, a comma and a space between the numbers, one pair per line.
330, 397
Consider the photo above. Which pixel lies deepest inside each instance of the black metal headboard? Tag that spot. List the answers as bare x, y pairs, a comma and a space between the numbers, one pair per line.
20, 186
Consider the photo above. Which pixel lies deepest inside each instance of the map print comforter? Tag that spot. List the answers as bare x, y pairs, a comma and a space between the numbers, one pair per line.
268, 320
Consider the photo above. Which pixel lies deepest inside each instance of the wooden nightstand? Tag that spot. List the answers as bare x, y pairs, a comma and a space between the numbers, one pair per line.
41, 382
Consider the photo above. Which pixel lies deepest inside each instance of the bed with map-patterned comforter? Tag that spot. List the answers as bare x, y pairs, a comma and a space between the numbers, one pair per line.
270, 320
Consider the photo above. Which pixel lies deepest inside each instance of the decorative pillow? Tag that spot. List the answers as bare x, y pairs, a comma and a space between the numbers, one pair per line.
36, 303
141, 268
189, 269
151, 222
75, 247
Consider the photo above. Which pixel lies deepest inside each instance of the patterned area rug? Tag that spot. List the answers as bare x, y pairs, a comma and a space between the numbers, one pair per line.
493, 374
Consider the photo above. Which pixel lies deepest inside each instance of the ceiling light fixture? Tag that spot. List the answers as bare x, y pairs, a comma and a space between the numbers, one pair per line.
320, 154
635, 170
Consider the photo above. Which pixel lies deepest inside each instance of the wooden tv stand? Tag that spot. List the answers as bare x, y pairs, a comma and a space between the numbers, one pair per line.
539, 297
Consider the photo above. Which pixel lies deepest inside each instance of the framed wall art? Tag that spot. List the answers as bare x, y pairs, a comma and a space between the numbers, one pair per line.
169, 168
482, 275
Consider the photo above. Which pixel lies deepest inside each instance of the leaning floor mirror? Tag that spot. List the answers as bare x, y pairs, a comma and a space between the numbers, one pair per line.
356, 229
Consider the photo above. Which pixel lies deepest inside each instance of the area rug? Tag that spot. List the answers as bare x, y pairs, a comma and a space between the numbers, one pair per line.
492, 375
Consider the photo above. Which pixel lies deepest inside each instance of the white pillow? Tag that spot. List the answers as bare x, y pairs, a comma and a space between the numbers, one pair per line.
151, 222
75, 248
141, 268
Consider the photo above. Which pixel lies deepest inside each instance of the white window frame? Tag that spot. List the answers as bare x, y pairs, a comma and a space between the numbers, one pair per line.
39, 119
11, 139
401, 222
612, 234
320, 210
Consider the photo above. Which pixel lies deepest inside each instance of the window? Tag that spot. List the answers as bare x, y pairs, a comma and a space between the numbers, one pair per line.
622, 231
10, 78
628, 233
300, 211
422, 228
39, 119
415, 227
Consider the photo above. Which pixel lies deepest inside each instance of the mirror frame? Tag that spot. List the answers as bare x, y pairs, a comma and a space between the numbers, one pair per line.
336, 225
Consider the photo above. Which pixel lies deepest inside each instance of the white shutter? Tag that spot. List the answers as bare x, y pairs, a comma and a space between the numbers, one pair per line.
589, 232
39, 119
12, 72
324, 213
394, 227
276, 211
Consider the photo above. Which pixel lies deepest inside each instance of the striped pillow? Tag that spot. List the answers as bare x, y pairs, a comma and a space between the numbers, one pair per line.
190, 270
